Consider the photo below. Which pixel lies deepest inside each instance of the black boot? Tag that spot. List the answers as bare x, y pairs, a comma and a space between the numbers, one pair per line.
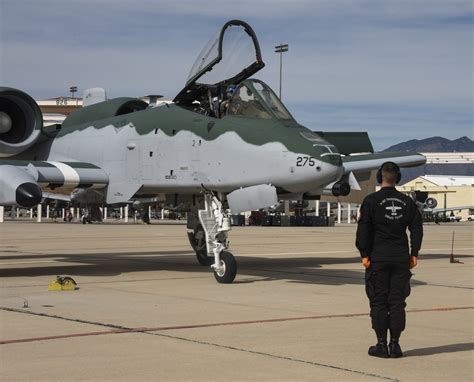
380, 349
395, 349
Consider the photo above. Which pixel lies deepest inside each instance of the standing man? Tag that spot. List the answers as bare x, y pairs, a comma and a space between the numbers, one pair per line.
383, 244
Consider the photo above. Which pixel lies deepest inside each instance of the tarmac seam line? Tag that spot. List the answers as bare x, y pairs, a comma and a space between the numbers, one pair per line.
281, 357
118, 329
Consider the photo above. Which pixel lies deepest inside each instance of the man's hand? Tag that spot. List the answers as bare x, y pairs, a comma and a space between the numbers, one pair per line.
366, 262
413, 262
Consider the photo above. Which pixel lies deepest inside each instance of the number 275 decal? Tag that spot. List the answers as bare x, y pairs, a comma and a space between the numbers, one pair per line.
305, 161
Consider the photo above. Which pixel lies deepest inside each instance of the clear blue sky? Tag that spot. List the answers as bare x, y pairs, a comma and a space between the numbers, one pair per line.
397, 69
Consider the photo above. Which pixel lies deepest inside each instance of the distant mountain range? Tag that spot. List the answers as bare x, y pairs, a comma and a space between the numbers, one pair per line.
435, 144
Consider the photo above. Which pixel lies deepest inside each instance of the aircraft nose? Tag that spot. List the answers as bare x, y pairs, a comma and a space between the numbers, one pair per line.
329, 154
329, 167
329, 170
333, 159
320, 165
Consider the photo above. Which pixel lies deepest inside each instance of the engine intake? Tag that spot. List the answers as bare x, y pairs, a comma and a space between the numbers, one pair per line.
431, 202
21, 121
341, 188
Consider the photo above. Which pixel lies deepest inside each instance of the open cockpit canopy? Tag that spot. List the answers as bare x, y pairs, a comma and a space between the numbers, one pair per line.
229, 58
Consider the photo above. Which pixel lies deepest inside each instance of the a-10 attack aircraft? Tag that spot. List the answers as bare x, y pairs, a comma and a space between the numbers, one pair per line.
226, 144
427, 206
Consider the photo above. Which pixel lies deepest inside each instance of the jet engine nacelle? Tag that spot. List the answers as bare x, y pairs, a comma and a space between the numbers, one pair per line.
18, 187
341, 188
431, 202
21, 121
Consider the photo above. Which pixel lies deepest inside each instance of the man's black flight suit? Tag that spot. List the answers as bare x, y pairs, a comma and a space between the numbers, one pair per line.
381, 236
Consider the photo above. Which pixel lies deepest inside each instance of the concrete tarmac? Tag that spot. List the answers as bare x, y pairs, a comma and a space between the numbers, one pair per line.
146, 311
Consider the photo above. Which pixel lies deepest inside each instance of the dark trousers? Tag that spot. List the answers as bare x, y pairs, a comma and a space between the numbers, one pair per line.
387, 286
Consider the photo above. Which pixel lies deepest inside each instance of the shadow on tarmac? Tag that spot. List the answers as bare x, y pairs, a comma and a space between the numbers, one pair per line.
306, 270
453, 348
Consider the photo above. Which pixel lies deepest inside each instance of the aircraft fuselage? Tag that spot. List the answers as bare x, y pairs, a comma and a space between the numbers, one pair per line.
171, 149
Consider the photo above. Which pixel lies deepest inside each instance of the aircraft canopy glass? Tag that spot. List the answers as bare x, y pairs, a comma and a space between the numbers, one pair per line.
222, 71
208, 54
231, 56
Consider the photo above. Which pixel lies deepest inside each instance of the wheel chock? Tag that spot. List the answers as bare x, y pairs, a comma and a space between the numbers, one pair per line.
63, 283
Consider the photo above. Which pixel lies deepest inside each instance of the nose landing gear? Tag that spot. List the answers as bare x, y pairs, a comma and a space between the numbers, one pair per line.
197, 239
209, 239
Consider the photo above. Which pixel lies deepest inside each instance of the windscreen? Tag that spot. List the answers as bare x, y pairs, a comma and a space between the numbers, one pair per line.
271, 100
245, 103
253, 98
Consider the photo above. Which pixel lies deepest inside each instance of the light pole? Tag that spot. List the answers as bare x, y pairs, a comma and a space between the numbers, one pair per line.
280, 49
73, 89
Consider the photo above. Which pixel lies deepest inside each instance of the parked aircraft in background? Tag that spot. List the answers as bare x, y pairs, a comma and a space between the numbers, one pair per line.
427, 206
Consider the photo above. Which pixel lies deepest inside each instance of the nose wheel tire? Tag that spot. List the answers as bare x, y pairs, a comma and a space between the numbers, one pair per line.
227, 269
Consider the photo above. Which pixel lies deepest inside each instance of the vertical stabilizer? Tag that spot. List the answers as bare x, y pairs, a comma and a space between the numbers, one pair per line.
93, 95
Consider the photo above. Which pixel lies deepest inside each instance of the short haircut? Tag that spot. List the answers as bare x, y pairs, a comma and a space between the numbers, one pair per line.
390, 172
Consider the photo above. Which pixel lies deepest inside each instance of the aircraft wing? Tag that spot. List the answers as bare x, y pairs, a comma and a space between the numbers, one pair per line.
53, 196
367, 162
23, 182
440, 210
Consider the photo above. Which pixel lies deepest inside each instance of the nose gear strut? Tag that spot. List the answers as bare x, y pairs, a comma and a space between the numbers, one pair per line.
215, 221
